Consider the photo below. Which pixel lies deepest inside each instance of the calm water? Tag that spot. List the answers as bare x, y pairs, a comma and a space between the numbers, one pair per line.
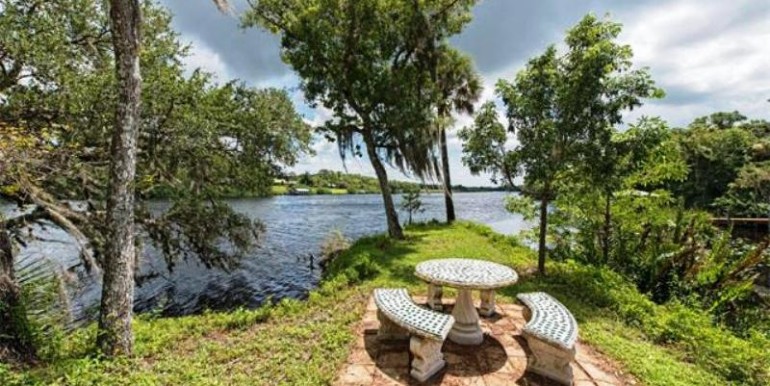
280, 267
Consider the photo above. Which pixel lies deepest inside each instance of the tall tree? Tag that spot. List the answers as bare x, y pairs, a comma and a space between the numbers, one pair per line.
459, 87
115, 336
199, 141
562, 109
600, 84
374, 74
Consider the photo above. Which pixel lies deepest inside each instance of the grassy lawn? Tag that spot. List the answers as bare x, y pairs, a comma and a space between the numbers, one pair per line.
305, 342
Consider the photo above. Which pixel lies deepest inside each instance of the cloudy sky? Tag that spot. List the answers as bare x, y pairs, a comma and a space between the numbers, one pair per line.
709, 55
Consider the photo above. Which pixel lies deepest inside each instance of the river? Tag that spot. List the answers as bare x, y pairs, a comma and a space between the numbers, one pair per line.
279, 267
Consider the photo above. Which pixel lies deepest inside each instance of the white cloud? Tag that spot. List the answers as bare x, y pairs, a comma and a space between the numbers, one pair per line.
207, 59
709, 56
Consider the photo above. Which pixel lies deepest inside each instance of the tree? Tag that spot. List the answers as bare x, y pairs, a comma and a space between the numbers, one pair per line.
411, 203
647, 159
716, 147
374, 75
484, 149
199, 141
459, 87
562, 110
115, 335
16, 341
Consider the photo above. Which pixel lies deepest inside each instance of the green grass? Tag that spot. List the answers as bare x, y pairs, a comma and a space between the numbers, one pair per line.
305, 343
278, 190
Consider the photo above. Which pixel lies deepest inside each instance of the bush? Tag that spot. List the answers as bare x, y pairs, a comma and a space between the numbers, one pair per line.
735, 359
361, 269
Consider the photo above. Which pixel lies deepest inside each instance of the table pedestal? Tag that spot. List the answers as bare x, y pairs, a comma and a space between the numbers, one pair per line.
466, 330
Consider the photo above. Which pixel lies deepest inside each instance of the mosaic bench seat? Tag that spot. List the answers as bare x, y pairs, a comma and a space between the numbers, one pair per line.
400, 317
551, 332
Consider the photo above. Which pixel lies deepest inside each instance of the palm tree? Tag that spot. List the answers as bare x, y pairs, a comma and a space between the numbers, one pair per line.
459, 87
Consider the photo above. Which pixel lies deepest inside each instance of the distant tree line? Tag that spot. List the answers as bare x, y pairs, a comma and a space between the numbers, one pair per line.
356, 183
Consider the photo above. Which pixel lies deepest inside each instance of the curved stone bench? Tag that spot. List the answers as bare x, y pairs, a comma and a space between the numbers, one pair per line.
551, 332
401, 317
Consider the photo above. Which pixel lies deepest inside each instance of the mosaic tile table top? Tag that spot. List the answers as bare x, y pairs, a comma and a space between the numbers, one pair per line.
466, 273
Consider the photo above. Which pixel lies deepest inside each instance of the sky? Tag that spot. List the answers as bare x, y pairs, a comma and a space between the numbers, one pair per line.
708, 55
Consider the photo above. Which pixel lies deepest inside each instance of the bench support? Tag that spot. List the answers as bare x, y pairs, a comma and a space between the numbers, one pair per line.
389, 330
428, 359
550, 361
487, 307
434, 297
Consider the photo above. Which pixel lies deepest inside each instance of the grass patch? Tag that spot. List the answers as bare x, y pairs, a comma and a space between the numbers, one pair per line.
305, 343
277, 190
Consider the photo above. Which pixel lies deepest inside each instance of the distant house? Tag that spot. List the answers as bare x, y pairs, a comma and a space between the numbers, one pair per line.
279, 181
299, 191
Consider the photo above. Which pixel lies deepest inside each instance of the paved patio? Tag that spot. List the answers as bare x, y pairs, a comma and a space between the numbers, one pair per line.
500, 360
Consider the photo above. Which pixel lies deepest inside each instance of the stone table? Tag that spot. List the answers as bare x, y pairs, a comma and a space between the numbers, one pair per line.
465, 275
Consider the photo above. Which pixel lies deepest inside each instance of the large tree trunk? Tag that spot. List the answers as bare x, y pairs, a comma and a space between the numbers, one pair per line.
450, 206
541, 251
394, 228
115, 336
16, 343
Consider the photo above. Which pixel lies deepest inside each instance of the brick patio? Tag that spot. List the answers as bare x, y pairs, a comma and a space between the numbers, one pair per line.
500, 360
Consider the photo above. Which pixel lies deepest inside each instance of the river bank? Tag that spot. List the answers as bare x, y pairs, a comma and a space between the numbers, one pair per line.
306, 342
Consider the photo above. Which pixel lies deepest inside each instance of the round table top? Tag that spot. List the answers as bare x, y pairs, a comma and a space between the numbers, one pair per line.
466, 273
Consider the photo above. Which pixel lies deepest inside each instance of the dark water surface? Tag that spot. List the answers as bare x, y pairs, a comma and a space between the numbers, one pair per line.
280, 267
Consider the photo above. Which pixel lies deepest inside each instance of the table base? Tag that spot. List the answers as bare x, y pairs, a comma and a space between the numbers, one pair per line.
466, 330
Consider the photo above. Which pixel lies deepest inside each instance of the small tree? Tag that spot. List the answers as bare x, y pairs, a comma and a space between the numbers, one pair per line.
562, 110
411, 202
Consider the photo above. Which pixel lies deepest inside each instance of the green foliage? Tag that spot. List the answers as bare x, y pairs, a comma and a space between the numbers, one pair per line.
305, 342
199, 141
523, 205
377, 77
668, 251
364, 268
563, 110
732, 358
411, 203
726, 154
484, 148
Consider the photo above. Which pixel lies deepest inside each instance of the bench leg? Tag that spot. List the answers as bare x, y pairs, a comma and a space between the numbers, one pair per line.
550, 361
428, 359
487, 303
434, 297
389, 330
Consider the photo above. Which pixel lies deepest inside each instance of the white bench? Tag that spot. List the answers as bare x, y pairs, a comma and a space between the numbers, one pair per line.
400, 317
551, 332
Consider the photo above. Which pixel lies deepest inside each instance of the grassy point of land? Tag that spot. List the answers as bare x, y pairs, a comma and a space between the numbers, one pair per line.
306, 342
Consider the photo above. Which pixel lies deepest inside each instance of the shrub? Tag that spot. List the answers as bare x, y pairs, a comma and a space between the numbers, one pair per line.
735, 359
362, 268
